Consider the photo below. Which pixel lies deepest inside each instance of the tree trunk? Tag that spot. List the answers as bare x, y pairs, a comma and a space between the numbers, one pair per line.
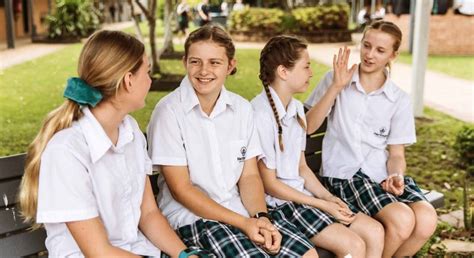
150, 14
136, 22
169, 16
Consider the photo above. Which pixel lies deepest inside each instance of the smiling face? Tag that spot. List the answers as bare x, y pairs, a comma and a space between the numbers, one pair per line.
207, 67
299, 75
376, 51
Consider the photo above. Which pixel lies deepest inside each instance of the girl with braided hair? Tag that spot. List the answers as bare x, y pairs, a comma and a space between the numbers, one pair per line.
370, 121
291, 186
203, 139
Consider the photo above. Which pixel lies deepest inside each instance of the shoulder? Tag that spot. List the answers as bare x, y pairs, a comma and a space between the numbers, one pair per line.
239, 102
400, 96
69, 142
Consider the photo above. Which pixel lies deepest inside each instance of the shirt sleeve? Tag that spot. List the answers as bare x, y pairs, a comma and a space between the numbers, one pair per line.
165, 143
402, 124
253, 146
65, 191
266, 134
320, 90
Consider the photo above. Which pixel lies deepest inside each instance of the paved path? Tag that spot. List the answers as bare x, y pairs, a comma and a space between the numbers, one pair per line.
26, 51
442, 92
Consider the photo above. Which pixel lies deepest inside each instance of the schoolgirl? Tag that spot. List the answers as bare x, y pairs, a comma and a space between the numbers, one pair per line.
370, 121
204, 141
85, 177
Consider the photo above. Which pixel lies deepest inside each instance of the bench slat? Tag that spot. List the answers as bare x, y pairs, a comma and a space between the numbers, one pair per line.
12, 166
314, 144
8, 192
314, 162
11, 221
23, 244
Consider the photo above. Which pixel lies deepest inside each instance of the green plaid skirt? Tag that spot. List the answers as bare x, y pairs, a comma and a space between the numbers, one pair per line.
224, 240
309, 220
363, 194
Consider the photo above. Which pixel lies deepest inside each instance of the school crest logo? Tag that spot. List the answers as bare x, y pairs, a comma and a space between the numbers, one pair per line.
243, 152
382, 132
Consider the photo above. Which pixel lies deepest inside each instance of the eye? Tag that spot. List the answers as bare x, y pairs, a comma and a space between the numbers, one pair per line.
215, 63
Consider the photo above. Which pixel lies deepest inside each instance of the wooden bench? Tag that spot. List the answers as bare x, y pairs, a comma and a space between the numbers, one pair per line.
16, 240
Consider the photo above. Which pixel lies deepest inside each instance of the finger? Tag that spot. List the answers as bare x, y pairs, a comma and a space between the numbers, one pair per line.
339, 56
346, 57
353, 69
268, 238
276, 236
334, 61
259, 239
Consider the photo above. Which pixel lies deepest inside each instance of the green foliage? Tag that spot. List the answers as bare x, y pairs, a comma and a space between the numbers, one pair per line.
257, 19
465, 145
73, 19
307, 19
324, 17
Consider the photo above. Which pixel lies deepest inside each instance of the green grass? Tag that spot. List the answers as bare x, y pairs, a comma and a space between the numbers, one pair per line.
457, 66
30, 90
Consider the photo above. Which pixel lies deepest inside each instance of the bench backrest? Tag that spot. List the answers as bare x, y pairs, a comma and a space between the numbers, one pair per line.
15, 237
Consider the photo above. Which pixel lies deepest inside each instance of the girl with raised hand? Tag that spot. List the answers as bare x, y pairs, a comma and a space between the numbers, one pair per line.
86, 171
205, 143
370, 121
290, 184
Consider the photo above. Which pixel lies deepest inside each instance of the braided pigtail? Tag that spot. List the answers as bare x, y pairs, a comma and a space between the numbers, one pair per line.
280, 50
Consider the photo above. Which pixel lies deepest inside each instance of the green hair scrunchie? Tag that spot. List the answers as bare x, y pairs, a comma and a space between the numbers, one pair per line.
82, 93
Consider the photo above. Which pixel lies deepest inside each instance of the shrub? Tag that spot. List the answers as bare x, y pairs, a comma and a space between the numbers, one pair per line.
465, 146
324, 17
73, 19
257, 19
299, 20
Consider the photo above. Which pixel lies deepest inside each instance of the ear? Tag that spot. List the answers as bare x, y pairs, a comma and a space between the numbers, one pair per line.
127, 82
282, 72
394, 56
232, 64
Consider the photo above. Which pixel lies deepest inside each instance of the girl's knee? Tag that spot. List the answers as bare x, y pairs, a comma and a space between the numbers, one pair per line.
426, 221
399, 221
311, 254
374, 232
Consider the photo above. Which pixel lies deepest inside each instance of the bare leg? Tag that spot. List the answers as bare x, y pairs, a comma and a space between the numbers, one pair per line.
340, 240
399, 221
425, 225
372, 232
311, 254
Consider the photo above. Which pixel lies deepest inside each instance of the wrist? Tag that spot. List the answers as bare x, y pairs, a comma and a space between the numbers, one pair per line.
262, 214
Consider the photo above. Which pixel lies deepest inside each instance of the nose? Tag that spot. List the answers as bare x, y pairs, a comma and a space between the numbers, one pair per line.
204, 68
370, 53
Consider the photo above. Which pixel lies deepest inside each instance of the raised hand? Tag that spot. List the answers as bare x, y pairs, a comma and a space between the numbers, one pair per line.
342, 75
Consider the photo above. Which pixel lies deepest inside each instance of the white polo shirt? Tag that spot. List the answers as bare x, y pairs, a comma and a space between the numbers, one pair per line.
213, 147
285, 163
361, 125
83, 176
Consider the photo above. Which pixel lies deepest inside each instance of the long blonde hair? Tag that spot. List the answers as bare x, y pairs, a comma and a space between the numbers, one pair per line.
105, 59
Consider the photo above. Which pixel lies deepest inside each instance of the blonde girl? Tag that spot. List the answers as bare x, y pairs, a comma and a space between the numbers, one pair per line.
290, 184
370, 121
86, 171
204, 141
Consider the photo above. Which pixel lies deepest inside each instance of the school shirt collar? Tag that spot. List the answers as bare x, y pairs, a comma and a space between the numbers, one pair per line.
96, 138
387, 88
290, 112
190, 99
